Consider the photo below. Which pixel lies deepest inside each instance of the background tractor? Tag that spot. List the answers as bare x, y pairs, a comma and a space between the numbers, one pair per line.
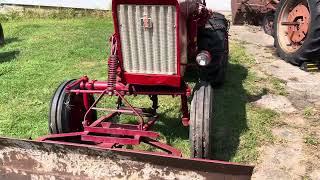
297, 32
255, 12
155, 45
292, 23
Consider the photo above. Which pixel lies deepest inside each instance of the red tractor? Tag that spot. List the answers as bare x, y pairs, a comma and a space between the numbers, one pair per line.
153, 48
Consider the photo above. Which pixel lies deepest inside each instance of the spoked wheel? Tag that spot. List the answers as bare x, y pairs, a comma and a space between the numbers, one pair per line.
67, 111
201, 115
297, 30
1, 36
267, 24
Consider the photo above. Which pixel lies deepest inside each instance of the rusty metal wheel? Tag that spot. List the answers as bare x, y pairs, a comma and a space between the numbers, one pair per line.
297, 30
201, 116
67, 111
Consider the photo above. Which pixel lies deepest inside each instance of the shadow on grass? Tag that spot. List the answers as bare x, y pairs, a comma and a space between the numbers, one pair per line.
230, 113
11, 40
172, 128
8, 56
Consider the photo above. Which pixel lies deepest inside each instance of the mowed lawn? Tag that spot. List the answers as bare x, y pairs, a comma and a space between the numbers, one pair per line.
40, 53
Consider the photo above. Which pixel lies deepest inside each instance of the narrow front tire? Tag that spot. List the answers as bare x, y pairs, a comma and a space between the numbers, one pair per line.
201, 116
67, 110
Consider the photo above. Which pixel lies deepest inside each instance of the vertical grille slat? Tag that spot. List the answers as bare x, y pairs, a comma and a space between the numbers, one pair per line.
140, 37
125, 36
133, 39
148, 50
155, 38
171, 37
162, 33
148, 44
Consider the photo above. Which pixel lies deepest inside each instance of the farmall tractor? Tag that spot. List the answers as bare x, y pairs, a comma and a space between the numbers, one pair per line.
154, 45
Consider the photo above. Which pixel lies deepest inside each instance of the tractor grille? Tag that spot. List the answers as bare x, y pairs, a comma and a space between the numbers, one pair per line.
148, 38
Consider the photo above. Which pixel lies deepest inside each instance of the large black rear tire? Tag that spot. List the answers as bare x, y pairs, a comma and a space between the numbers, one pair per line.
214, 38
67, 111
1, 36
310, 46
201, 116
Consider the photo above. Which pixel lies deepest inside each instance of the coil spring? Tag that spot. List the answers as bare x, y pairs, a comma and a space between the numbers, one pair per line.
112, 72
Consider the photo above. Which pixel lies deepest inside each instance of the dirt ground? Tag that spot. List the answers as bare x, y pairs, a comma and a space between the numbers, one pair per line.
295, 154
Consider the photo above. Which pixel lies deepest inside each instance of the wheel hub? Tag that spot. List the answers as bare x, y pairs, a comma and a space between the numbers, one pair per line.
268, 25
298, 24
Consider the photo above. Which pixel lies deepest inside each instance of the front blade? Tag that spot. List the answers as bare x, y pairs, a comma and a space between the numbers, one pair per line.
21, 159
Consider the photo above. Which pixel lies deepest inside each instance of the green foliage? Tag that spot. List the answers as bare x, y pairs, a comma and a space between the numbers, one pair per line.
37, 56
308, 112
311, 140
52, 13
240, 128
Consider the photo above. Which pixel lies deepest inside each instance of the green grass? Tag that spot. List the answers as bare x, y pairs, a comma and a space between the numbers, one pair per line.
311, 139
241, 127
40, 53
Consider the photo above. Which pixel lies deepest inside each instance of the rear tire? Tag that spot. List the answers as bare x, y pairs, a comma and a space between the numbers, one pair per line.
214, 38
1, 36
201, 115
310, 47
67, 111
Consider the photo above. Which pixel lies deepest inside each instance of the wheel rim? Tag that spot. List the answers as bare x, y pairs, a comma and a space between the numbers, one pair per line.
67, 111
268, 25
293, 25
74, 104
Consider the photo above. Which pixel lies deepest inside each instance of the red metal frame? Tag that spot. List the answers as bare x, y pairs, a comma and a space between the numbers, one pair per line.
103, 132
150, 79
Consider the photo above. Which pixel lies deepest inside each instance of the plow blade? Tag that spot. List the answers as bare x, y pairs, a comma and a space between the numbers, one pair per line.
21, 159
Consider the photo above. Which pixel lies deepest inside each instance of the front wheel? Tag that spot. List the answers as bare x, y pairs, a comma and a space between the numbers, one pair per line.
201, 115
67, 111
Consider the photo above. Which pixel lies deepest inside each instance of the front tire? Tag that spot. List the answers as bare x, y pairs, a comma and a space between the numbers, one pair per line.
201, 115
67, 111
